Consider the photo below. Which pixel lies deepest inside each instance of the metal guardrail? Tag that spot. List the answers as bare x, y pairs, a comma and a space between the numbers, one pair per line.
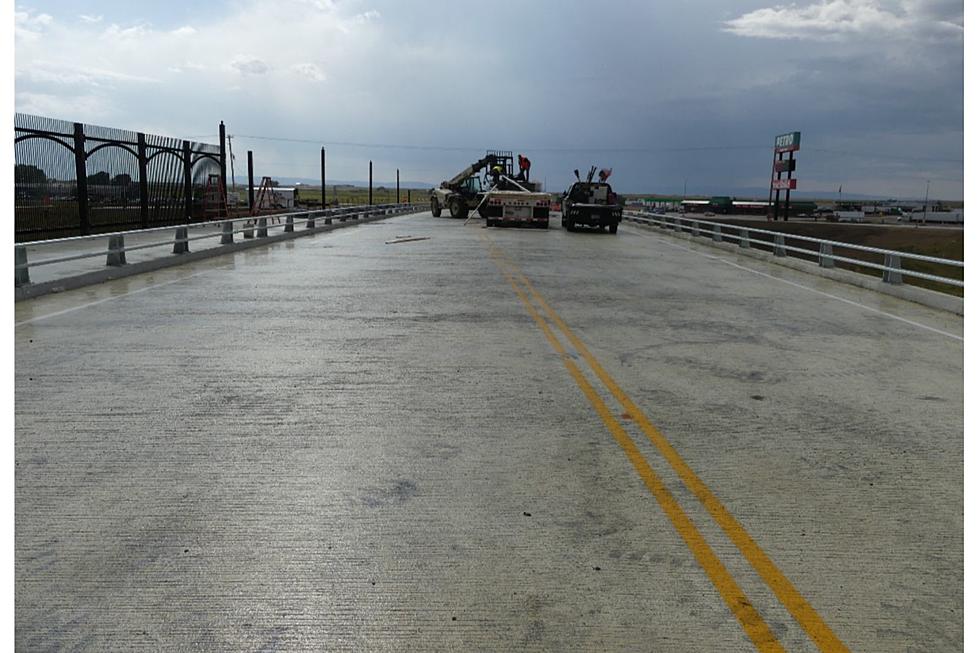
252, 227
891, 267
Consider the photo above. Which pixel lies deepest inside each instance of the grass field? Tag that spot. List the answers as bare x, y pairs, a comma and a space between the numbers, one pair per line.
310, 195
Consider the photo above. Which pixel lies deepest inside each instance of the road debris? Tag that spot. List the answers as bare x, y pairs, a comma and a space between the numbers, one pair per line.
405, 239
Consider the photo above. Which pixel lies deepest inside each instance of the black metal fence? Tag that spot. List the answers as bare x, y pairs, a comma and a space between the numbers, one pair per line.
74, 179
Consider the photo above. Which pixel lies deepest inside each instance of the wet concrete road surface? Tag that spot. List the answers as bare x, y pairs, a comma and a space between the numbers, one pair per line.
489, 440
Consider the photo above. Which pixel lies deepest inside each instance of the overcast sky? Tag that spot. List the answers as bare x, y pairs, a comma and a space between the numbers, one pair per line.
662, 92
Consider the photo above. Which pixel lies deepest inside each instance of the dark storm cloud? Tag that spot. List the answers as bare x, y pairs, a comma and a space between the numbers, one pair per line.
647, 88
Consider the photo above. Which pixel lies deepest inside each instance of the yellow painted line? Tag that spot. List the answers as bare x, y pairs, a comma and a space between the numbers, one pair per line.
808, 618
752, 622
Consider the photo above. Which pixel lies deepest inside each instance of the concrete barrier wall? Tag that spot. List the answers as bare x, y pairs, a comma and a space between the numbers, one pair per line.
109, 273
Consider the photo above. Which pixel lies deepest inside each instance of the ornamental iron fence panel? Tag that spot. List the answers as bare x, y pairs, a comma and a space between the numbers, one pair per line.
76, 179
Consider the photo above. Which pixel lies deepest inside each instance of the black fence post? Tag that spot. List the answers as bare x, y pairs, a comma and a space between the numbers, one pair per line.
323, 177
398, 186
144, 182
81, 180
251, 185
409, 195
188, 186
370, 183
222, 207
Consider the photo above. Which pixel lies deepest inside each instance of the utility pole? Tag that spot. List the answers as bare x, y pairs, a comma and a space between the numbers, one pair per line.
231, 155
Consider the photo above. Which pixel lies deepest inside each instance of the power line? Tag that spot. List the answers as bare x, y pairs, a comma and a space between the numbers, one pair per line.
612, 149
461, 148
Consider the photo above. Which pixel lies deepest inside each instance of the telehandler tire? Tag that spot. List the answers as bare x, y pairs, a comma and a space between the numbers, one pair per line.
457, 208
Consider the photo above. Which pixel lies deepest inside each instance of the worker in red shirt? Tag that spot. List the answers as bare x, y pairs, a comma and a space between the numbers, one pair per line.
525, 165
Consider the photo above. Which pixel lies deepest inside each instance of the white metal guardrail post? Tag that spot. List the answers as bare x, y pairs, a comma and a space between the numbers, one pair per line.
893, 271
22, 274
717, 234
779, 245
263, 230
180, 241
289, 224
826, 254
116, 256
743, 238
227, 233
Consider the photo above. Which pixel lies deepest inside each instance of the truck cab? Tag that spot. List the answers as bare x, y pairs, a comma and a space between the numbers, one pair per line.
591, 203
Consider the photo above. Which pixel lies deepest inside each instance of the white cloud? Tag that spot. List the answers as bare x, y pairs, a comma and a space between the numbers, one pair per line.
310, 70
835, 20
371, 14
85, 107
29, 19
29, 26
249, 65
90, 19
186, 30
61, 74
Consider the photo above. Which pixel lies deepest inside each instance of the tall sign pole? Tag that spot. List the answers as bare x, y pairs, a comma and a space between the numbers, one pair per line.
785, 144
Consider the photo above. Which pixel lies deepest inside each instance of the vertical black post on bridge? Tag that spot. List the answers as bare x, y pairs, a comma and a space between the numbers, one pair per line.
398, 186
771, 209
251, 185
144, 182
775, 207
789, 176
222, 206
188, 186
370, 183
323, 177
81, 180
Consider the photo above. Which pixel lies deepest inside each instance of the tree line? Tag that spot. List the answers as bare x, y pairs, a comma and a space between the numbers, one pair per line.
30, 174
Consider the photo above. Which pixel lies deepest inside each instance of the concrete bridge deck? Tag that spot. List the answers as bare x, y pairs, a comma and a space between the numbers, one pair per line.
489, 440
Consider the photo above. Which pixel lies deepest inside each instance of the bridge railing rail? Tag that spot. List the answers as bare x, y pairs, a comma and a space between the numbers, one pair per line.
776, 242
115, 247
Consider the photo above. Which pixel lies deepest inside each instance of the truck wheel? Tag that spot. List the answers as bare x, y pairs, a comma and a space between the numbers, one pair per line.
457, 208
436, 209
614, 227
570, 226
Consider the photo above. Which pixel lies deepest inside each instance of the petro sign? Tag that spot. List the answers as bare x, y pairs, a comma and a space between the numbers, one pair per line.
785, 144
788, 142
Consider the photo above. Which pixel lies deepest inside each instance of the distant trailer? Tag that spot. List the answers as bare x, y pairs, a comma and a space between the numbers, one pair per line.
278, 198
849, 216
941, 217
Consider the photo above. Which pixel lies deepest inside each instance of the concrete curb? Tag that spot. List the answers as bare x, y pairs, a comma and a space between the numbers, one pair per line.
30, 291
930, 298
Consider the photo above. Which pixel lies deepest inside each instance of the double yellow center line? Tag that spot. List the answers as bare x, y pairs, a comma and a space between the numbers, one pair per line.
753, 624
